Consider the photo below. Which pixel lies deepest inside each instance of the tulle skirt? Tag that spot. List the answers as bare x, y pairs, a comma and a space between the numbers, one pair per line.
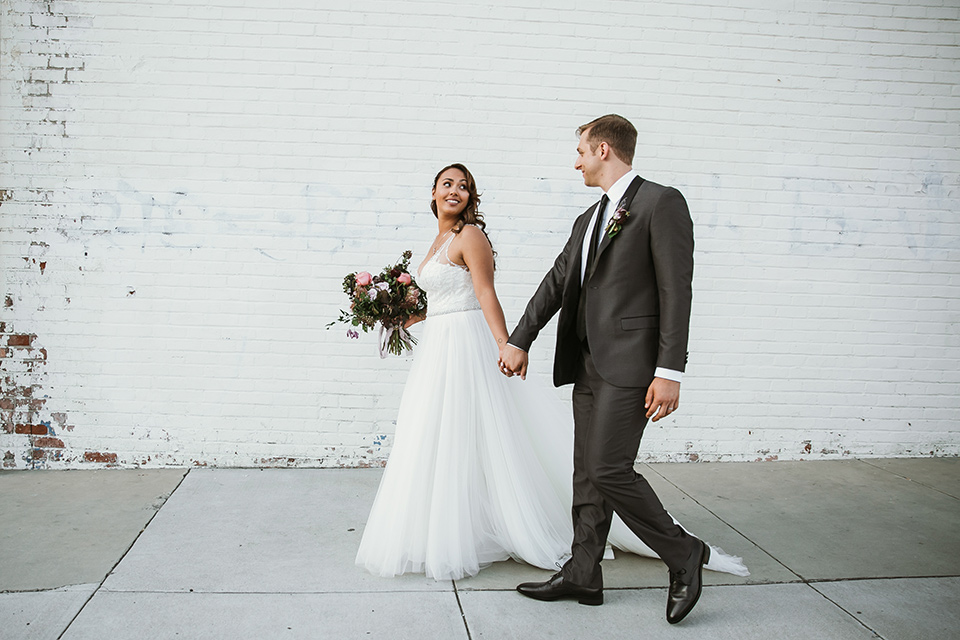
480, 469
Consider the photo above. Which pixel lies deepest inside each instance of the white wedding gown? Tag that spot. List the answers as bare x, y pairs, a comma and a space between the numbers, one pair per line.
481, 467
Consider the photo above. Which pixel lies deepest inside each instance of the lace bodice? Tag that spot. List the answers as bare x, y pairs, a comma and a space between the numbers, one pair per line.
449, 286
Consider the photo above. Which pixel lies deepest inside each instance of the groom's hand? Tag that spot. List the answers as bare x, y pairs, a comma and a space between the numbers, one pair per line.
513, 361
663, 398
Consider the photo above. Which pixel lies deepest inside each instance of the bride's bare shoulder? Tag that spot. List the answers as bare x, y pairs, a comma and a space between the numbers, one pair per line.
472, 233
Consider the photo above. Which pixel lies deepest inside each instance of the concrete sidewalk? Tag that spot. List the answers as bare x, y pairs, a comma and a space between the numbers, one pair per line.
839, 549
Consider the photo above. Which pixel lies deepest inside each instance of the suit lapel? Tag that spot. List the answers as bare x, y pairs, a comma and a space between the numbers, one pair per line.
624, 202
571, 285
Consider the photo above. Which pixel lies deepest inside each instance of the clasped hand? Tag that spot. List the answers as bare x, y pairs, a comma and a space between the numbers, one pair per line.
513, 362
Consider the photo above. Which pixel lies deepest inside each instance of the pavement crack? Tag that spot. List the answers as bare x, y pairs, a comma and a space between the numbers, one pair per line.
908, 479
62, 587
456, 592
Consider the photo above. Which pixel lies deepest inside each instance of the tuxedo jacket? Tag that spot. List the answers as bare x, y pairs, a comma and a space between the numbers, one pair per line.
637, 298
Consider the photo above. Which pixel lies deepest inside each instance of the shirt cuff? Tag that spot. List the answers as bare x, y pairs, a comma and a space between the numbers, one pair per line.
515, 347
668, 374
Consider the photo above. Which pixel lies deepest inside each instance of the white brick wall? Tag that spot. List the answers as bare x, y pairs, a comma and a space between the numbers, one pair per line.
185, 184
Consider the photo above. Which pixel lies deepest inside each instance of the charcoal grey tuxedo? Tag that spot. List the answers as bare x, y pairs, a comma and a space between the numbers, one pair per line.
637, 315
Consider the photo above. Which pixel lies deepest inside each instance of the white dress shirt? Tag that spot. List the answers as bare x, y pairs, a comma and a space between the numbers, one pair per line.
615, 194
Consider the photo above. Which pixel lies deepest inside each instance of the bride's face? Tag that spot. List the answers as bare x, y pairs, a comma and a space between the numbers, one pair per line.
451, 193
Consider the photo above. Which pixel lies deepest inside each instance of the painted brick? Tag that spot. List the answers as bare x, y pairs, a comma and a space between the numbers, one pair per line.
185, 186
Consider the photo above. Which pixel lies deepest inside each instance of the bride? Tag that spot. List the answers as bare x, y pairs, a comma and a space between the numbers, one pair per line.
481, 464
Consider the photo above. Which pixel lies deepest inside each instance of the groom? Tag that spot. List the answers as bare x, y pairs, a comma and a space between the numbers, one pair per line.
622, 285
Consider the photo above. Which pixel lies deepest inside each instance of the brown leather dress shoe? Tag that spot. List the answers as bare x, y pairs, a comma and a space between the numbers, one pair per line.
685, 587
556, 588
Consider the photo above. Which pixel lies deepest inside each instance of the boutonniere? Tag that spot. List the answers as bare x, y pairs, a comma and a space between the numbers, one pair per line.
617, 221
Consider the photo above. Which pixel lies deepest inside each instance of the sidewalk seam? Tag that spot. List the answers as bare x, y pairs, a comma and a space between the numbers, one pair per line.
838, 606
463, 616
122, 556
711, 512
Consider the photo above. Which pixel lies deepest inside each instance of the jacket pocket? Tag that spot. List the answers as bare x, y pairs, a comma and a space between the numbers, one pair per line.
639, 322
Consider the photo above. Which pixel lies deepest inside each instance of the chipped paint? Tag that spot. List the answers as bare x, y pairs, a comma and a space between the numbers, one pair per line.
23, 403
97, 456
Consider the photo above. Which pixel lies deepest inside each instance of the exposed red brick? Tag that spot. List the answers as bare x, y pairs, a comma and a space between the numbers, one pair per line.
6, 404
31, 429
4, 352
48, 443
96, 456
20, 340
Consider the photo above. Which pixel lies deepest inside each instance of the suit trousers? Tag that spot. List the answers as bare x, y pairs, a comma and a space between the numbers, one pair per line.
608, 424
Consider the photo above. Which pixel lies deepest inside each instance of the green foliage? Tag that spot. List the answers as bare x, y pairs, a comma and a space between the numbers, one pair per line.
389, 298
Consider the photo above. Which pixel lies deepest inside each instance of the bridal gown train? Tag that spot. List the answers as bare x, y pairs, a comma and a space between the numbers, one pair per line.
481, 467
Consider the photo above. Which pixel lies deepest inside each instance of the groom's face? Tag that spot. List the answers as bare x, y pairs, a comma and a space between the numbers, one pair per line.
588, 161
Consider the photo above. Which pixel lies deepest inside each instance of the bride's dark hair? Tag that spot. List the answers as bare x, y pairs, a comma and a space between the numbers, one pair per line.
471, 213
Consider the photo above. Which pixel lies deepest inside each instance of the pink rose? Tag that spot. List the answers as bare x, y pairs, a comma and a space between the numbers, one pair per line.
404, 278
364, 278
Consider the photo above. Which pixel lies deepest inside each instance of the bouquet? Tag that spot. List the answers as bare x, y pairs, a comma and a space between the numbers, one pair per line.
388, 299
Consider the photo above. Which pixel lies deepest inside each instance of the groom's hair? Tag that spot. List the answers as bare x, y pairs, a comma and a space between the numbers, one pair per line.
616, 131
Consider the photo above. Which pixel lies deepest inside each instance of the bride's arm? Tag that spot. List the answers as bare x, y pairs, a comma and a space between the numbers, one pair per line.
478, 256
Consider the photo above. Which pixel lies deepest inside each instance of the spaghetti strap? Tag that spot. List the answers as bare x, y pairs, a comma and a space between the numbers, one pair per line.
446, 243
446, 254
